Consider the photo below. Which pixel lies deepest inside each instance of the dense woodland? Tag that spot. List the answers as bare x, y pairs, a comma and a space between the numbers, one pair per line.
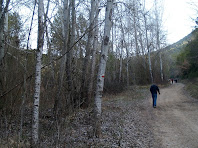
84, 48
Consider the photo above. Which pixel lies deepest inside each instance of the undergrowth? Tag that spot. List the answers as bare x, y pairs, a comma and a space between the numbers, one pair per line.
191, 87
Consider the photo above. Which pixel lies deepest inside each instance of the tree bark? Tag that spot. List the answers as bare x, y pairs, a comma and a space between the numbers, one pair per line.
120, 71
137, 51
148, 48
65, 28
40, 41
3, 12
95, 46
70, 56
102, 68
157, 19
86, 63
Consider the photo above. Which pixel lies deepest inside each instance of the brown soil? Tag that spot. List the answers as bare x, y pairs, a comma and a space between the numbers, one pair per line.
175, 120
128, 121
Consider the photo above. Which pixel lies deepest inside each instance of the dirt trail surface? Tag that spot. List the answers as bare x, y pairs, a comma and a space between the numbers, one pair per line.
175, 119
128, 121
135, 123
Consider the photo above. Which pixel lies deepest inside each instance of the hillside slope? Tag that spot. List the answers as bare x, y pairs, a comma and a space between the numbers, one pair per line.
178, 46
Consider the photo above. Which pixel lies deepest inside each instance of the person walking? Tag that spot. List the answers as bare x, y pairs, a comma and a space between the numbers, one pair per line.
154, 89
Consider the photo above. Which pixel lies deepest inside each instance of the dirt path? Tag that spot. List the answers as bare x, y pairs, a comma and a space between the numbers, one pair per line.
175, 120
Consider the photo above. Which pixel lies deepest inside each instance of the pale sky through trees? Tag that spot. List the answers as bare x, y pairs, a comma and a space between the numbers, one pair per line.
177, 19
178, 15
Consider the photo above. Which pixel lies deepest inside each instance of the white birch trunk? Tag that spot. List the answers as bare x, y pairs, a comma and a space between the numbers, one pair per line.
95, 45
158, 36
135, 28
3, 17
102, 67
40, 40
148, 48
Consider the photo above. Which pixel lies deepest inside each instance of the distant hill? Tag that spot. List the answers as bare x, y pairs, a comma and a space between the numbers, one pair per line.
178, 46
171, 52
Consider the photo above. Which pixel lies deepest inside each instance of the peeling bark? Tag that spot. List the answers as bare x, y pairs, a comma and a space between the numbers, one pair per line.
40, 41
102, 68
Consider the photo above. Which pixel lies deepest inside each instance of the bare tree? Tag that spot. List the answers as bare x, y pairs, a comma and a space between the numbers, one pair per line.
40, 41
3, 12
65, 27
102, 68
86, 63
148, 46
157, 21
95, 46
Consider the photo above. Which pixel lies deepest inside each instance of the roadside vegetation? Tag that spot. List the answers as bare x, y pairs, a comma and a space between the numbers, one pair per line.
124, 124
191, 86
187, 60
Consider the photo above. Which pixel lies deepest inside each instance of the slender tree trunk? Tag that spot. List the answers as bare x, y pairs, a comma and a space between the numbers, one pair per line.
143, 53
120, 71
23, 100
65, 28
89, 46
150, 66
148, 48
3, 12
102, 68
135, 28
70, 56
95, 46
50, 55
49, 47
127, 66
158, 36
161, 67
40, 41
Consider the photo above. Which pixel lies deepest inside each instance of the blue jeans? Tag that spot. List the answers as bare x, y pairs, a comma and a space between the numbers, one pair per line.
154, 96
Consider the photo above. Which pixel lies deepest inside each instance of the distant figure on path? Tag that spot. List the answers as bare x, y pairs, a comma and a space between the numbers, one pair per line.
154, 89
172, 81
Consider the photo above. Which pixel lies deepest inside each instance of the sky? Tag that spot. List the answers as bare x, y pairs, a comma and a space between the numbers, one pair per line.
177, 18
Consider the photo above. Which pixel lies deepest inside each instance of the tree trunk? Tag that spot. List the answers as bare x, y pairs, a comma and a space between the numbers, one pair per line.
70, 56
3, 12
89, 46
127, 65
135, 29
161, 68
148, 48
40, 41
65, 28
120, 71
95, 46
157, 19
102, 68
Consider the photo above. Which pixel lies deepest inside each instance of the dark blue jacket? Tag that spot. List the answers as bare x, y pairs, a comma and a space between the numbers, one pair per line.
154, 89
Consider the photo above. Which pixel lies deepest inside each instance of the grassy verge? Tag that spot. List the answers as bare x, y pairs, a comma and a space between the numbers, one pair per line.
132, 93
191, 86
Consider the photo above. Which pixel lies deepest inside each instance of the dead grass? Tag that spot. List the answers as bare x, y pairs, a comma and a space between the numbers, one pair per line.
191, 87
122, 121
